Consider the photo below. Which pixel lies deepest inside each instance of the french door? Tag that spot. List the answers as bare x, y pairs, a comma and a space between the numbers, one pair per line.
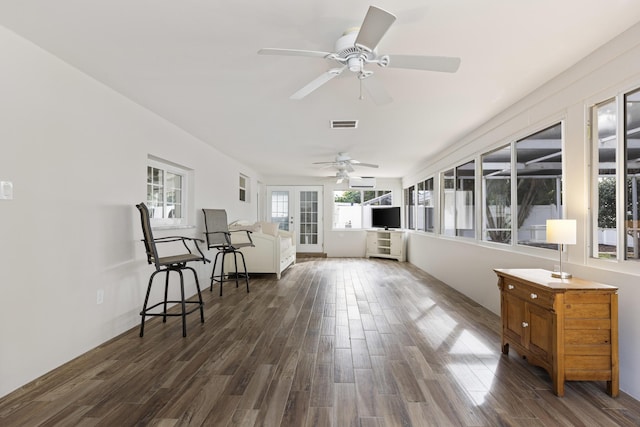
298, 209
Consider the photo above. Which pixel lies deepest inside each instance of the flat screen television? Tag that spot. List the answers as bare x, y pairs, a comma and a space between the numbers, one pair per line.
385, 217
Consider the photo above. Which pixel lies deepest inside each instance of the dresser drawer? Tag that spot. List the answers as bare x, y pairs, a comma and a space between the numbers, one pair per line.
531, 294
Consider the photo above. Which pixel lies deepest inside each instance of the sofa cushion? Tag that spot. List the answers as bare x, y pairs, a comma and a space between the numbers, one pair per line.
269, 228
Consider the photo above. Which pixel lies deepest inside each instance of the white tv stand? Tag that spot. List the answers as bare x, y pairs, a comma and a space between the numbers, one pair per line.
386, 244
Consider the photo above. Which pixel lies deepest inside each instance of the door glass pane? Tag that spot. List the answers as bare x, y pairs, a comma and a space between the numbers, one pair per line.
308, 217
539, 184
606, 142
280, 209
632, 156
496, 181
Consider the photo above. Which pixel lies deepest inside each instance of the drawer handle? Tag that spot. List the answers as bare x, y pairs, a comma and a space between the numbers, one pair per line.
525, 324
511, 287
534, 296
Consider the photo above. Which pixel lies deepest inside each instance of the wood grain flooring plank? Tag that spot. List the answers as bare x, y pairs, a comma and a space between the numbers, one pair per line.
257, 387
304, 371
374, 343
320, 417
326, 346
366, 394
360, 354
345, 405
384, 380
356, 331
274, 404
322, 387
343, 338
296, 409
343, 366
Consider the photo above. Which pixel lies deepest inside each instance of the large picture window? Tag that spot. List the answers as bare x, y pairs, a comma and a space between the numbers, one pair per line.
352, 208
539, 185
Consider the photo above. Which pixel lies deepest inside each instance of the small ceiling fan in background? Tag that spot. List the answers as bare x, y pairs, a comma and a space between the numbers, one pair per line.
357, 48
343, 161
344, 165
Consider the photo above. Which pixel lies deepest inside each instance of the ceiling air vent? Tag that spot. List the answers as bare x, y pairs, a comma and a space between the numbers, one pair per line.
344, 124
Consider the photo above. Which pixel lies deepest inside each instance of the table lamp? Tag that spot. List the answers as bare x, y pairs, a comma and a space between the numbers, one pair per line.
562, 232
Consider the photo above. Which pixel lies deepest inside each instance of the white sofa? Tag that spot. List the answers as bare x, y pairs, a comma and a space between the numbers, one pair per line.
274, 249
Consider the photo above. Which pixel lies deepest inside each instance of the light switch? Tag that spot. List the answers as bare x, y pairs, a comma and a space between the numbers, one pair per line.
6, 190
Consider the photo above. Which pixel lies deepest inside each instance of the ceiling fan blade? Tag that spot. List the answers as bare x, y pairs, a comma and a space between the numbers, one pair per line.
317, 82
368, 165
292, 52
445, 64
376, 91
373, 28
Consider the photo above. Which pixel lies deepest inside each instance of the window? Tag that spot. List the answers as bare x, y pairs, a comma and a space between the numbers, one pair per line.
244, 188
465, 199
425, 204
409, 203
448, 217
539, 185
352, 208
616, 217
632, 173
428, 200
605, 123
496, 190
458, 200
166, 193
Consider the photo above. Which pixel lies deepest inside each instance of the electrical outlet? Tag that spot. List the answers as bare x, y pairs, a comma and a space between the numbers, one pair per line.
100, 296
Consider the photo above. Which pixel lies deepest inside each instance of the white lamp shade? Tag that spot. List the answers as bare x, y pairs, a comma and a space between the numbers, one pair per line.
562, 231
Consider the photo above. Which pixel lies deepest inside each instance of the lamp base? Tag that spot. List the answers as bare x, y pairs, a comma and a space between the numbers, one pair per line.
561, 275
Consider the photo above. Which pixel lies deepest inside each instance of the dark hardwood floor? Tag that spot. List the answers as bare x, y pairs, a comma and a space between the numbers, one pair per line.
335, 342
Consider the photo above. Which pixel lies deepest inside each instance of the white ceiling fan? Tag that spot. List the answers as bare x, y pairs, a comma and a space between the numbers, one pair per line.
357, 47
344, 163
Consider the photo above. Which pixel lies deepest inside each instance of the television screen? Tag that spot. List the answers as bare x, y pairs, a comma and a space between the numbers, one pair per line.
385, 217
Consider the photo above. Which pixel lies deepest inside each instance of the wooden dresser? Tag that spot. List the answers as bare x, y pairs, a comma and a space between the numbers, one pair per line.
569, 327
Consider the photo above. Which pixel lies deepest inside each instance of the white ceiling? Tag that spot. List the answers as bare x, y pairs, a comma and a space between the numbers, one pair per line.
194, 62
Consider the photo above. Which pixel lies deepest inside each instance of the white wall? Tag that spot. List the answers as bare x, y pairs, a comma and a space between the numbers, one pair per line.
610, 70
76, 153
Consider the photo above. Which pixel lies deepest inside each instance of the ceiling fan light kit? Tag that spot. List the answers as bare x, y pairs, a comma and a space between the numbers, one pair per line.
357, 48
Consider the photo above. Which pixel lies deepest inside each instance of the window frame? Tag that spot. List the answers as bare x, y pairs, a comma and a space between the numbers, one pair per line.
185, 174
243, 190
